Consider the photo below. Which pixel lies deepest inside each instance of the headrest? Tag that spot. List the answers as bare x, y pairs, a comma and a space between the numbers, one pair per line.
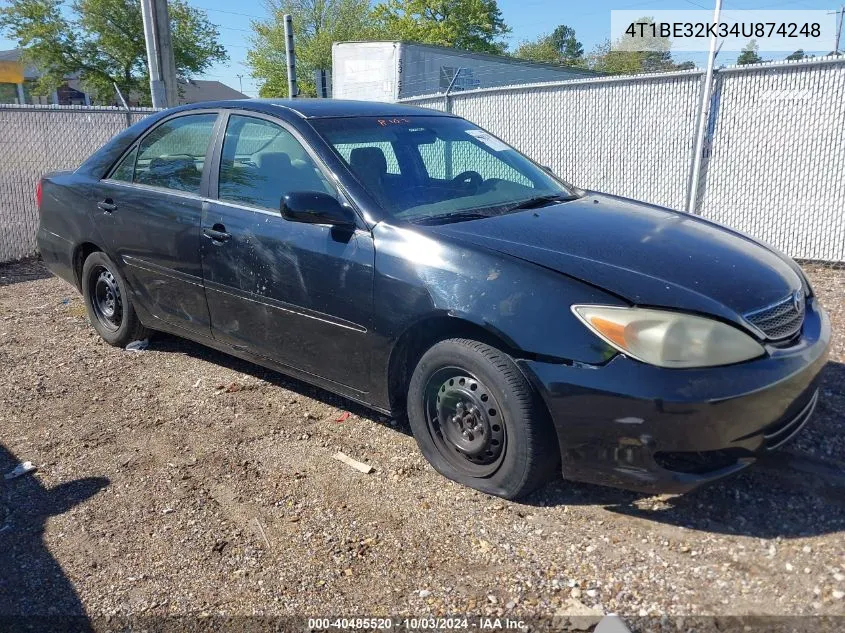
273, 161
368, 161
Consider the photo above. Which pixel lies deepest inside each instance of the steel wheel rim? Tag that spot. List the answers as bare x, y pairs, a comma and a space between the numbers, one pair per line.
465, 421
106, 299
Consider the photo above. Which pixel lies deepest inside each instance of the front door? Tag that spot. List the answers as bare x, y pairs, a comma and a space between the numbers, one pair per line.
149, 212
300, 294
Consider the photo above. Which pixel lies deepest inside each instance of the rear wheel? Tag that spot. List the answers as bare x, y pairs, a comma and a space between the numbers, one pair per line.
478, 422
108, 303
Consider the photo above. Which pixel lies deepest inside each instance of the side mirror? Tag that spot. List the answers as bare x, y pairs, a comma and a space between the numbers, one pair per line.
314, 207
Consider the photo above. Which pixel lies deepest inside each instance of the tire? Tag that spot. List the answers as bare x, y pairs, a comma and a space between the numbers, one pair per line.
478, 422
108, 302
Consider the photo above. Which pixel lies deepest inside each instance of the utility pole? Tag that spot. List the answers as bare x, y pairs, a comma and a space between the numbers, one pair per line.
240, 82
702, 116
168, 61
157, 90
290, 56
162, 65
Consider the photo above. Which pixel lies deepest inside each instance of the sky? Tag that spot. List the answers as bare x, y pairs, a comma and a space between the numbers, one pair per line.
527, 19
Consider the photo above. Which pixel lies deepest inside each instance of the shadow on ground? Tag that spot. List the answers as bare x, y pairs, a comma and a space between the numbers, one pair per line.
771, 499
22, 270
755, 504
173, 344
33, 585
797, 491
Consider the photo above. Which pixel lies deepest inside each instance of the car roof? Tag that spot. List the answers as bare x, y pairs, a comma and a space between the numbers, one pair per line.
321, 108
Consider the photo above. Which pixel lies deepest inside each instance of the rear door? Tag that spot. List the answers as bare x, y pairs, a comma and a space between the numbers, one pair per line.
148, 210
300, 294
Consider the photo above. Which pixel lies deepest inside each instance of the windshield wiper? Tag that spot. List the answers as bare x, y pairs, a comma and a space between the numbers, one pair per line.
499, 209
458, 216
539, 201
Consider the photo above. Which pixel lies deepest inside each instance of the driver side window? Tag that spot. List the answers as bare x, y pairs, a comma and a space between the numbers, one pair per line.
261, 162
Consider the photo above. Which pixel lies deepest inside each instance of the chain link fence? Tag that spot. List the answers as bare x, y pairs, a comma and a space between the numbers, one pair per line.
773, 161
35, 140
774, 154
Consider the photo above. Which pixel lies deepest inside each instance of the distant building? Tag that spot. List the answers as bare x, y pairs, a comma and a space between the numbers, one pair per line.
388, 71
199, 90
17, 82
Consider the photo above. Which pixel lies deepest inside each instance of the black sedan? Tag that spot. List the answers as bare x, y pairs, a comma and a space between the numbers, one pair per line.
412, 262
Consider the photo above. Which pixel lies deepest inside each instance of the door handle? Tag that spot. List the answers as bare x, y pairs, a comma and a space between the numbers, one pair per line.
217, 233
107, 205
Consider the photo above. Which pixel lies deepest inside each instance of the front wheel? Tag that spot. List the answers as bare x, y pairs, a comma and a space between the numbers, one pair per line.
478, 422
108, 302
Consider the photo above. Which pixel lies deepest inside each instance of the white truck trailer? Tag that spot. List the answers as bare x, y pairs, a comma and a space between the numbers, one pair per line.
389, 71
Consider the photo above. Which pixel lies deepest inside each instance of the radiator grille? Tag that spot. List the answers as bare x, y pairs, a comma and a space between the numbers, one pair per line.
780, 320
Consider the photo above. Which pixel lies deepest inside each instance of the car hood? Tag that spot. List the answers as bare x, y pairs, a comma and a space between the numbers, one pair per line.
645, 254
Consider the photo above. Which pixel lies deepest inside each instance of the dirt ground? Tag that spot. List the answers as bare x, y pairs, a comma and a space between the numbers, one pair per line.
182, 481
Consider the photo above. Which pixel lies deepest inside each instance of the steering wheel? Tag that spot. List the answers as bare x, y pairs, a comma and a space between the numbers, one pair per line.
468, 179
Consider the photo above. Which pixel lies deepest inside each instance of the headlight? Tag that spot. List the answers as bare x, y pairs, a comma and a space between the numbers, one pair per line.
668, 339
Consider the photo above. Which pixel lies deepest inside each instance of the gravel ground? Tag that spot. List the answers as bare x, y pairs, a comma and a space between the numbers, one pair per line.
182, 481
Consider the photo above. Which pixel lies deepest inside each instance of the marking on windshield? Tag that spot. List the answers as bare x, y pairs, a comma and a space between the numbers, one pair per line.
386, 122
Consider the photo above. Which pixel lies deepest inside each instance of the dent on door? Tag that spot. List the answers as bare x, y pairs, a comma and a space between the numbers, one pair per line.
155, 235
300, 294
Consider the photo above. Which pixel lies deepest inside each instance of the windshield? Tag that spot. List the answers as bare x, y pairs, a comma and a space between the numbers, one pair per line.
427, 168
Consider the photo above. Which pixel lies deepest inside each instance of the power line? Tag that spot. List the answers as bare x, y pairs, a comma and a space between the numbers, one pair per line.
246, 15
233, 28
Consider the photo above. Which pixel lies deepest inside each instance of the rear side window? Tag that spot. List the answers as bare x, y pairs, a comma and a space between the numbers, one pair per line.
261, 162
173, 155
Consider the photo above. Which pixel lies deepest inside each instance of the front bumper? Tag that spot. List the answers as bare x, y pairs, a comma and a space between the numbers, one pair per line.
641, 427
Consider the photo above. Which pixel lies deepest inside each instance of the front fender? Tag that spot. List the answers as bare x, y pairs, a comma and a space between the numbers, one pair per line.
521, 303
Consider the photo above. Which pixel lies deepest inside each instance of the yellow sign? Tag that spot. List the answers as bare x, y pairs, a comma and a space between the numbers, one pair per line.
11, 73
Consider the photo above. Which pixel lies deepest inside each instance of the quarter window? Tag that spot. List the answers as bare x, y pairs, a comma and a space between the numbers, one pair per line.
126, 167
173, 155
261, 162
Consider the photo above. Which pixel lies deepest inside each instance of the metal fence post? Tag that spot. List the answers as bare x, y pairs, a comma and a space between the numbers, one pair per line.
123, 101
447, 101
705, 120
447, 107
290, 58
692, 192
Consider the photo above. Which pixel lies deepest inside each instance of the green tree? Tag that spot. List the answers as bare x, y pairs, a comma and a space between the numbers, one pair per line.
559, 47
799, 54
564, 41
631, 56
749, 55
539, 50
317, 24
472, 25
103, 42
